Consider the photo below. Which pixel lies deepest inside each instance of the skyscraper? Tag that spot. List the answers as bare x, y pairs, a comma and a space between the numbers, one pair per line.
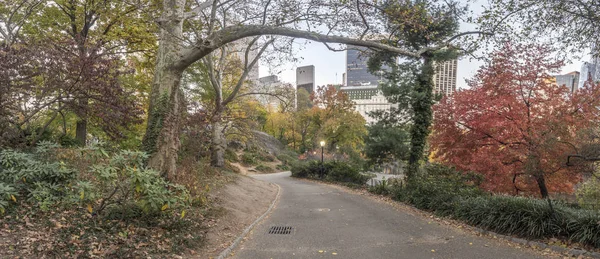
590, 70
305, 78
357, 71
444, 79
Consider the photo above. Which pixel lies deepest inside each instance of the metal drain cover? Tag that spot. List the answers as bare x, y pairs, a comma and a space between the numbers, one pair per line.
280, 230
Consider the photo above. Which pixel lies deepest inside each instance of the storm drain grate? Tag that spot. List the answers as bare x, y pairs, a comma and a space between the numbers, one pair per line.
280, 230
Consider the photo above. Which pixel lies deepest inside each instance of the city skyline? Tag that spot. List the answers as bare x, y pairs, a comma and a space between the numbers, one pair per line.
330, 66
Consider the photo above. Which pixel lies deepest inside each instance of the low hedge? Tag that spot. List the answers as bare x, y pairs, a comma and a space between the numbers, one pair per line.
264, 169
457, 196
333, 171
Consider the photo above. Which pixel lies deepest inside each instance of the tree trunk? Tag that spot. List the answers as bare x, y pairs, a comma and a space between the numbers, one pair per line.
421, 104
81, 131
218, 142
541, 181
166, 101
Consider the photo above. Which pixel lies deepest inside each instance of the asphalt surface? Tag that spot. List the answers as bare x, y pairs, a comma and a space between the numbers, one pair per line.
331, 223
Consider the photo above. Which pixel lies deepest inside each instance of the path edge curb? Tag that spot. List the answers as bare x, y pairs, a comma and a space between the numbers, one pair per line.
239, 239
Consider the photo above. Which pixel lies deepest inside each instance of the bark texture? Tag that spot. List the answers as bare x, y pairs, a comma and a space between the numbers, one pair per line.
166, 101
218, 145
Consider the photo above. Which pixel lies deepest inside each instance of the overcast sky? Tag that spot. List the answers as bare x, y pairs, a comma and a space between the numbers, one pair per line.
330, 65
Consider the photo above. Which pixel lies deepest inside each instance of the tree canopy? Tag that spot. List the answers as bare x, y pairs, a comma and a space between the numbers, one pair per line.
515, 125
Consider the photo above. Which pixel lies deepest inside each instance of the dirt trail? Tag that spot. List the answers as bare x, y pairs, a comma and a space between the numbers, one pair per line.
239, 204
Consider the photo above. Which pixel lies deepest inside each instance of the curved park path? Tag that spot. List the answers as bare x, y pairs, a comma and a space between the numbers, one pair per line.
329, 222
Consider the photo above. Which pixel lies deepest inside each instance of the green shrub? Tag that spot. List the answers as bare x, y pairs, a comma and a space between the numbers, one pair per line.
7, 195
583, 226
282, 167
287, 157
46, 178
333, 171
447, 192
519, 216
248, 159
341, 172
311, 169
122, 181
439, 189
588, 194
36, 176
230, 155
264, 169
265, 157
382, 188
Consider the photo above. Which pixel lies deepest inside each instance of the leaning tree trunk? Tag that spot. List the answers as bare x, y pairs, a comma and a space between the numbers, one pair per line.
218, 142
421, 104
541, 181
166, 103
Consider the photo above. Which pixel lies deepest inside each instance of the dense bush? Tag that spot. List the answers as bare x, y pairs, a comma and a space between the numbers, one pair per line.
286, 159
439, 188
248, 159
588, 194
264, 169
265, 157
47, 177
448, 192
333, 171
37, 177
282, 167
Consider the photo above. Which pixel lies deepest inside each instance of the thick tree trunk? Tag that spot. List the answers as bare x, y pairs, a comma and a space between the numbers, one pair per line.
166, 101
421, 104
218, 142
217, 146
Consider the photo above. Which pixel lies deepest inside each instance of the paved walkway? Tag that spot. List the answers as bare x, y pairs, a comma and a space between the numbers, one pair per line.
331, 223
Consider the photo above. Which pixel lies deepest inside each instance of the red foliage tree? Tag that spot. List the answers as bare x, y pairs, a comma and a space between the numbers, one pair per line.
39, 82
515, 125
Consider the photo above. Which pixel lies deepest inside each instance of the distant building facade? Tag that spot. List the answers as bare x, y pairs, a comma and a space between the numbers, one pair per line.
570, 80
239, 47
363, 87
305, 78
444, 79
271, 84
357, 71
367, 99
590, 70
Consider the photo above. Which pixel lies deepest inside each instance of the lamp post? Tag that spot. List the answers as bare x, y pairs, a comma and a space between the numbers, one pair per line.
322, 167
322, 146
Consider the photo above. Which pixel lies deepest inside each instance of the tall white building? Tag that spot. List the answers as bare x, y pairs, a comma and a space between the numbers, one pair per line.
305, 78
444, 80
239, 48
590, 70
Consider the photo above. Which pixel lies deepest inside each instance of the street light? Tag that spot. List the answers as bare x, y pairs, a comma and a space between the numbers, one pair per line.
322, 146
322, 167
